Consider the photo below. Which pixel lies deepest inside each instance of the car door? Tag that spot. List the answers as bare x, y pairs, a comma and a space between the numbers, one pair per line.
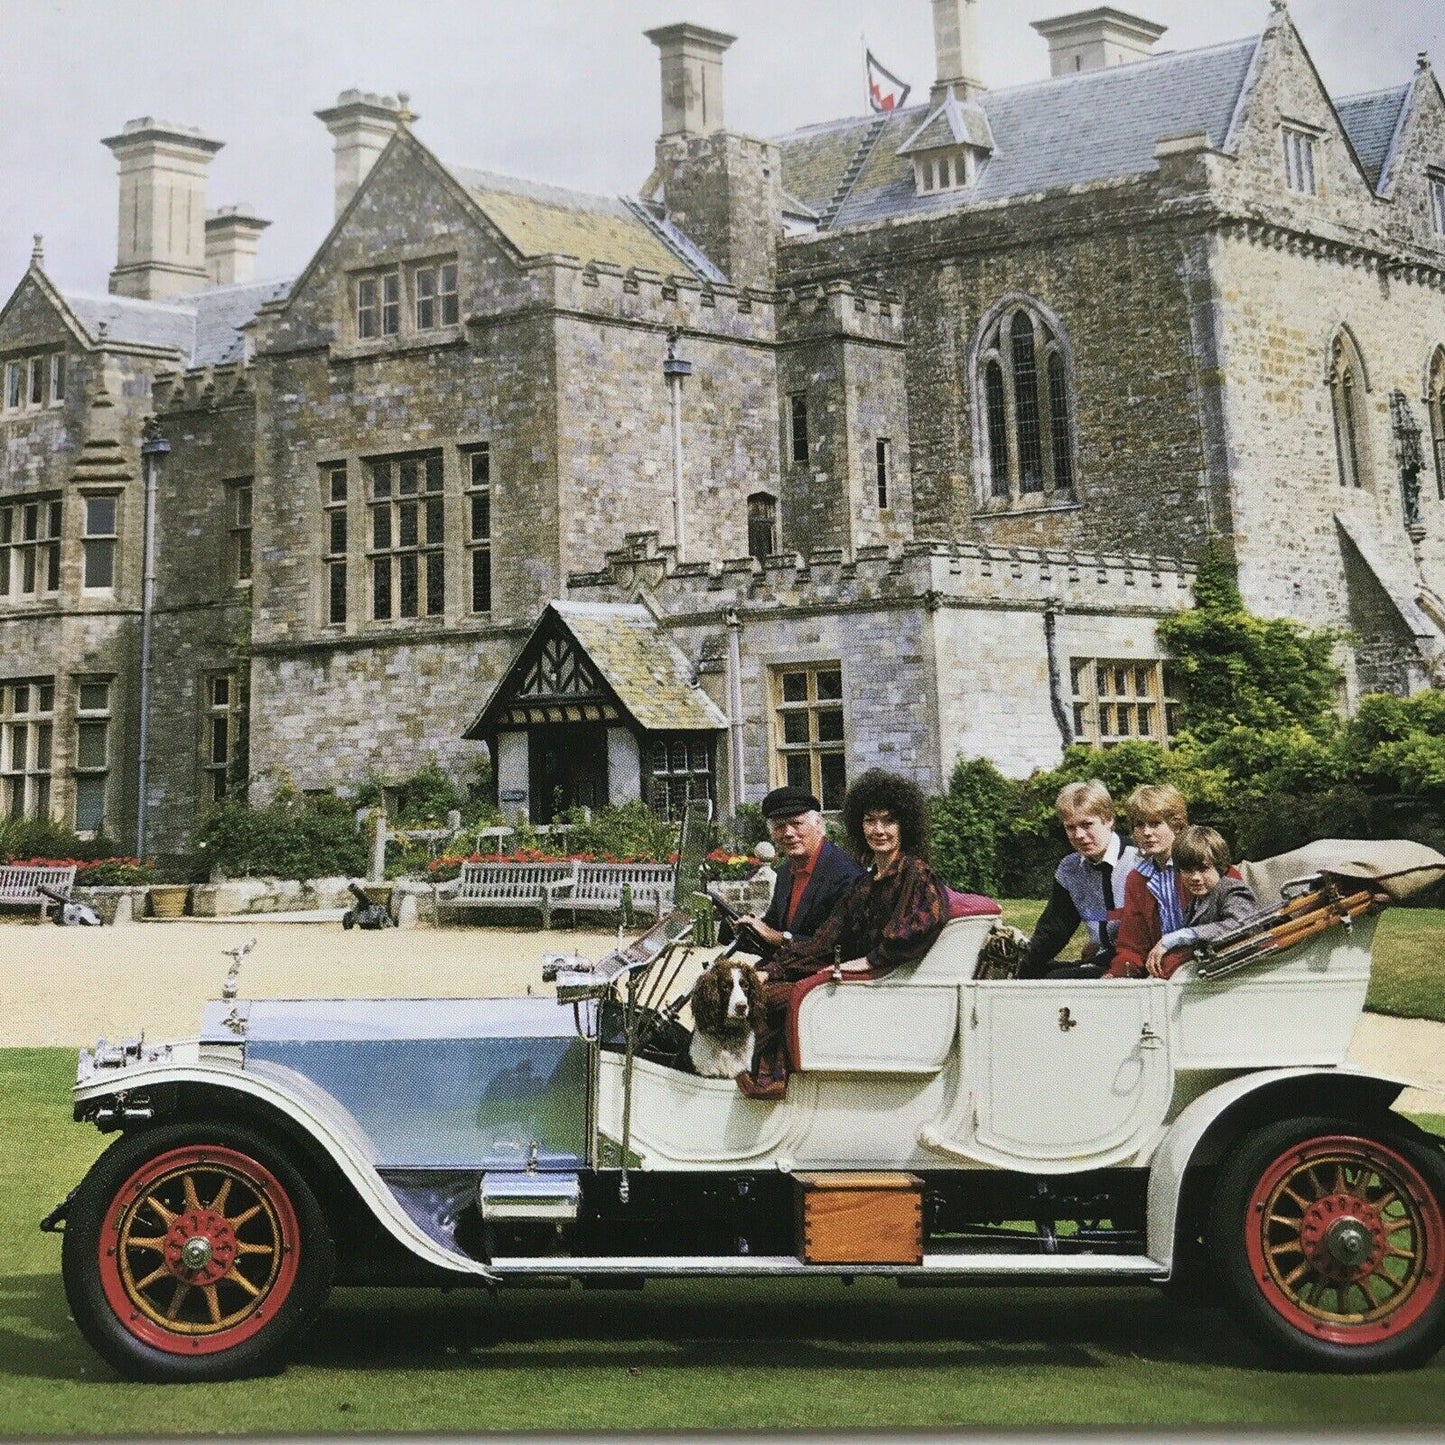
1064, 1075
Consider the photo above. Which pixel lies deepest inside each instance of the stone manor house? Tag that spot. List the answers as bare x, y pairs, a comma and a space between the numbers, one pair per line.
881, 442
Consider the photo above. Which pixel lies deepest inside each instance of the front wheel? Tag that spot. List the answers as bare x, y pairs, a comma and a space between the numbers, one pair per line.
194, 1253
1330, 1237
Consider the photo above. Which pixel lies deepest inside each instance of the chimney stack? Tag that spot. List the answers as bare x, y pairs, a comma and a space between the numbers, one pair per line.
363, 125
955, 46
1096, 39
162, 246
231, 236
692, 78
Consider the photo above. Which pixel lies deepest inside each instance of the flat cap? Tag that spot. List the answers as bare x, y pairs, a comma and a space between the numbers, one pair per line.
789, 801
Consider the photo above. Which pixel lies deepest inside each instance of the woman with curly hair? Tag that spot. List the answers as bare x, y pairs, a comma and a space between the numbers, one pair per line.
890, 916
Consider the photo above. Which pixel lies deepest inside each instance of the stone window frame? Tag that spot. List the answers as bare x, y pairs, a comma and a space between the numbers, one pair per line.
762, 525
1301, 151
94, 708
240, 498
1434, 399
883, 472
419, 514
100, 549
1123, 699
25, 375
994, 366
808, 747
1349, 383
374, 315
429, 287
222, 723
335, 481
27, 746
480, 515
799, 445
31, 529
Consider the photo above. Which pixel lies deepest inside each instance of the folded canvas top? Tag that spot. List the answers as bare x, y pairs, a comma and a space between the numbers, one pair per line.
1400, 868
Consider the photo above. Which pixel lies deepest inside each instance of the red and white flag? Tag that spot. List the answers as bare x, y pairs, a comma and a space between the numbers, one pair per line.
885, 90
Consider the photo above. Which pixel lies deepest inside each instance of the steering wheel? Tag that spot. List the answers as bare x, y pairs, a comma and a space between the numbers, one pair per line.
743, 935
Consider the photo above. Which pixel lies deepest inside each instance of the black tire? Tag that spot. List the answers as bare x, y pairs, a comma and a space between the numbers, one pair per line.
194, 1252
1329, 1237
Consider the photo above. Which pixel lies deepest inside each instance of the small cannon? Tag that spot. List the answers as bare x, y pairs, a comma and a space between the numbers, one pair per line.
367, 913
70, 915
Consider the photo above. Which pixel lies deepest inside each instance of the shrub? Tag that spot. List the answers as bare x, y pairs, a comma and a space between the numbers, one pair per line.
971, 824
624, 833
30, 838
293, 836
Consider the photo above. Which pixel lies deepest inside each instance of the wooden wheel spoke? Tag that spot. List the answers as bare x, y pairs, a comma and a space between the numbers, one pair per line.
159, 1272
236, 1277
174, 1308
188, 1186
1284, 1220
168, 1217
244, 1248
1391, 1197
218, 1204
1393, 1253
1392, 1285
244, 1216
1294, 1274
1297, 1197
213, 1305
1340, 1186
145, 1241
1314, 1179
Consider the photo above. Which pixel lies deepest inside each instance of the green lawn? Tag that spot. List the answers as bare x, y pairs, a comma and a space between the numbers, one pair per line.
1407, 972
682, 1357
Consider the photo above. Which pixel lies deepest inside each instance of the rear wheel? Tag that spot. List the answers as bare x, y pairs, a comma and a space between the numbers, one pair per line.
194, 1253
1330, 1237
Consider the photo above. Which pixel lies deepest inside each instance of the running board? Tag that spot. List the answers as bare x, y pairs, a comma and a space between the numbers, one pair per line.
935, 1266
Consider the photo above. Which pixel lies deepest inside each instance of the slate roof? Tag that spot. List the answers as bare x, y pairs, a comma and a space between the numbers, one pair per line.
1065, 131
649, 674
1371, 121
204, 326
541, 220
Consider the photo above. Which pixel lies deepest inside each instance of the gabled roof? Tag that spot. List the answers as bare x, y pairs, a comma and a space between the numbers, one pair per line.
953, 123
645, 671
204, 326
1371, 122
541, 220
1068, 130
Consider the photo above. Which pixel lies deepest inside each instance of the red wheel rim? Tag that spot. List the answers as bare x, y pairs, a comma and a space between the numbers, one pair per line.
199, 1250
1345, 1240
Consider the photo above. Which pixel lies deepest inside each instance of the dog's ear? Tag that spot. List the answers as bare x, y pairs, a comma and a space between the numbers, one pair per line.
707, 999
757, 1000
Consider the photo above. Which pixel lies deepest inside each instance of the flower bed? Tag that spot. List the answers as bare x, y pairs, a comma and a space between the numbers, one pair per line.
97, 872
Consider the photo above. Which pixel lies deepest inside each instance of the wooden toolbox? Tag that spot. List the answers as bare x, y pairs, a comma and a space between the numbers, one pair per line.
859, 1218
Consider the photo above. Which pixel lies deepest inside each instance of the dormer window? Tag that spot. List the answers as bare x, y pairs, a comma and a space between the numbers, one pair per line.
943, 170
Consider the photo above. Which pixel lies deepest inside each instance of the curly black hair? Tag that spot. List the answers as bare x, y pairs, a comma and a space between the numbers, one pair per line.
877, 790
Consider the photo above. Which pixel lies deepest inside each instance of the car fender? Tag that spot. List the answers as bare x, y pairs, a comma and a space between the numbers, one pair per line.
1181, 1144
308, 1107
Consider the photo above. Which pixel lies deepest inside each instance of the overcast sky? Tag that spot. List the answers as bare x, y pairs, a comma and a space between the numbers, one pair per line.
564, 91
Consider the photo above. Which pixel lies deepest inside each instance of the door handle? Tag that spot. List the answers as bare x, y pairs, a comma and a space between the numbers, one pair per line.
1148, 1039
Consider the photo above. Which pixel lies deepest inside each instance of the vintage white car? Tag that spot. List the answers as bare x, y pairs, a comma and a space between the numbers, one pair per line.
936, 1128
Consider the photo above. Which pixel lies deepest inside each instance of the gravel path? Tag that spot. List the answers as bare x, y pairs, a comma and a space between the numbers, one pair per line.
68, 986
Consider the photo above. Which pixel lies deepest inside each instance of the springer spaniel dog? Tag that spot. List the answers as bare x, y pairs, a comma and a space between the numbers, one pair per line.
727, 1011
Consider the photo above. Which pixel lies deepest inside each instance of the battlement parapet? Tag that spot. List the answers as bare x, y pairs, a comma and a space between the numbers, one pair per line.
638, 294
936, 572
872, 313
202, 388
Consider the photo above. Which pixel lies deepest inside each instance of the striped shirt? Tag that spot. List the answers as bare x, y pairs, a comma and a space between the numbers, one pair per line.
1162, 880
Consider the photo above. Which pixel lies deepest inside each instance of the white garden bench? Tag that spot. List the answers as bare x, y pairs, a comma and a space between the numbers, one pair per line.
507, 885
598, 887
20, 884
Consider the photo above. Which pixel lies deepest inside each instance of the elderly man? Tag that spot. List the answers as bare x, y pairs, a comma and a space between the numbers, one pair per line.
813, 875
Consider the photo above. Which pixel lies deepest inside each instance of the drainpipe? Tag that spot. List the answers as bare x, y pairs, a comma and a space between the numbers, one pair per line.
674, 368
735, 704
153, 448
1057, 702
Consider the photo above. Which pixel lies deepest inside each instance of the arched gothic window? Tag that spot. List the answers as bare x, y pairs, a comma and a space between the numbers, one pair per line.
1347, 401
1435, 405
1026, 420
